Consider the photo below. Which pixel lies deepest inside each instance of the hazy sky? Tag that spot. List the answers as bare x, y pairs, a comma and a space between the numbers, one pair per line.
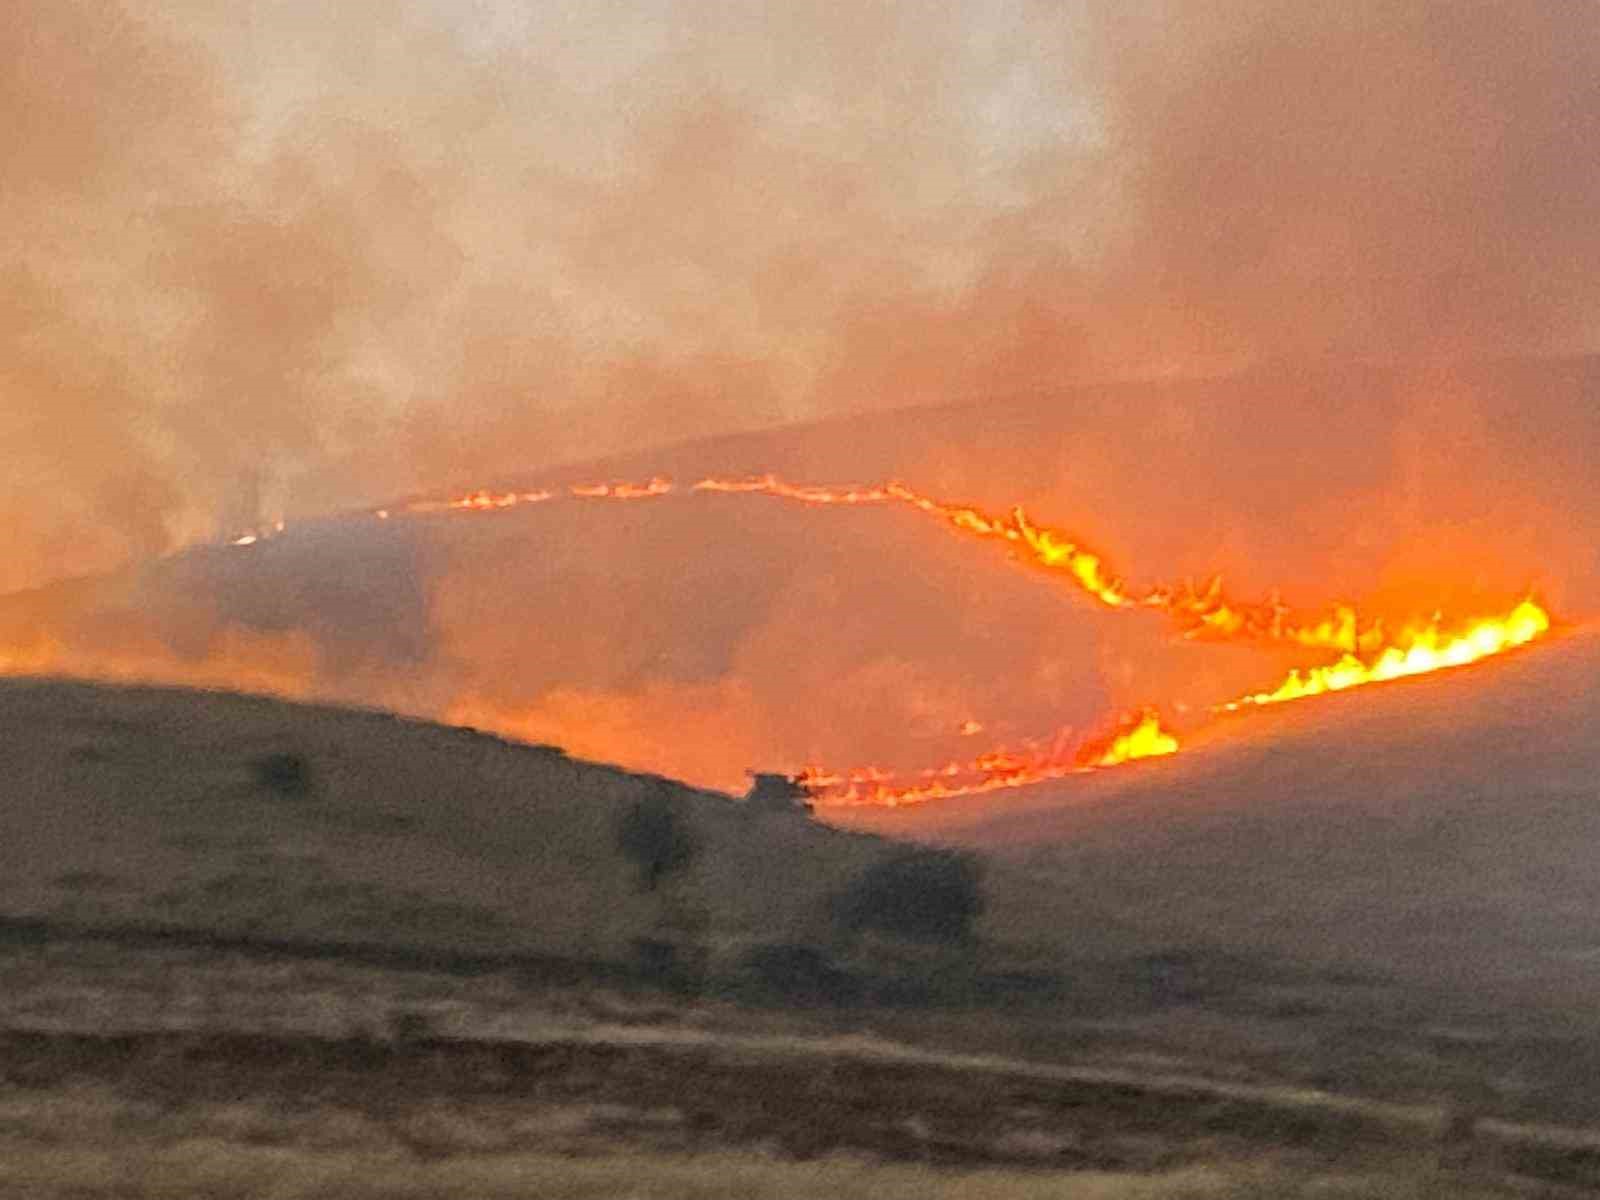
290, 255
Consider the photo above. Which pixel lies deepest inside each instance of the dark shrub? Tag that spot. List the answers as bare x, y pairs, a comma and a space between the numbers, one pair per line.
923, 895
655, 837
285, 774
796, 974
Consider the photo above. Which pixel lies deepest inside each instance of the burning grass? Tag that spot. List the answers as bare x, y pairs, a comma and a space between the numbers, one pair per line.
1366, 648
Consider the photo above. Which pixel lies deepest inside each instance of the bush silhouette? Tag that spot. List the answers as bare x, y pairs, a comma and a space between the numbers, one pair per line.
918, 894
655, 837
286, 774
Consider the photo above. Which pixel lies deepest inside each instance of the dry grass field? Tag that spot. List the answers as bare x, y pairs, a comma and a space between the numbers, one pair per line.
210, 1167
407, 965
144, 807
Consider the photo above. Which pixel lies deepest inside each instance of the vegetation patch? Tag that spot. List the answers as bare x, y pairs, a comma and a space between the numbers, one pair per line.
919, 894
655, 837
284, 774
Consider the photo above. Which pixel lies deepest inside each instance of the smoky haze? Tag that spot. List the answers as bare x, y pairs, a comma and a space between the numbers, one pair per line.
701, 635
266, 259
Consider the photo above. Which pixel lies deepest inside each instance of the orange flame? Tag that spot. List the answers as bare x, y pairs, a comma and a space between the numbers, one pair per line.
1417, 651
482, 500
770, 485
987, 773
1369, 652
1138, 735
1205, 613
624, 491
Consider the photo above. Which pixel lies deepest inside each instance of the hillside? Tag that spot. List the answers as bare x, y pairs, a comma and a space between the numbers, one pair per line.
700, 635
146, 807
197, 956
1443, 828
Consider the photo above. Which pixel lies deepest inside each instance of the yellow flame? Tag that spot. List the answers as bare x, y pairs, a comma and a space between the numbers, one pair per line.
1416, 652
1147, 739
1367, 651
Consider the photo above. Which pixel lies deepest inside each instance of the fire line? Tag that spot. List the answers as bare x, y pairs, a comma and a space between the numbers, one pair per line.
1368, 651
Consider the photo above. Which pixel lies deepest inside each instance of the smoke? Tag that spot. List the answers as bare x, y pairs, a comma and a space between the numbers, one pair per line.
1402, 180
268, 258
275, 260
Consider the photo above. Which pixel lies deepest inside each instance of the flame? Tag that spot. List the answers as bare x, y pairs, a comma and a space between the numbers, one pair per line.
1202, 613
1369, 652
1417, 652
1137, 735
990, 772
1048, 548
1145, 738
481, 500
771, 485
623, 491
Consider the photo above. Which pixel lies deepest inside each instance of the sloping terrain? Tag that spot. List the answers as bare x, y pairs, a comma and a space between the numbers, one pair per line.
412, 952
1389, 894
1444, 828
699, 635
152, 808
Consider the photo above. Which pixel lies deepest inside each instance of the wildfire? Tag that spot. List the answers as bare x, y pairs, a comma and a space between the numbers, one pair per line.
991, 772
623, 491
1368, 651
1048, 548
482, 500
1138, 735
771, 485
1416, 652
485, 500
1144, 739
1203, 613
